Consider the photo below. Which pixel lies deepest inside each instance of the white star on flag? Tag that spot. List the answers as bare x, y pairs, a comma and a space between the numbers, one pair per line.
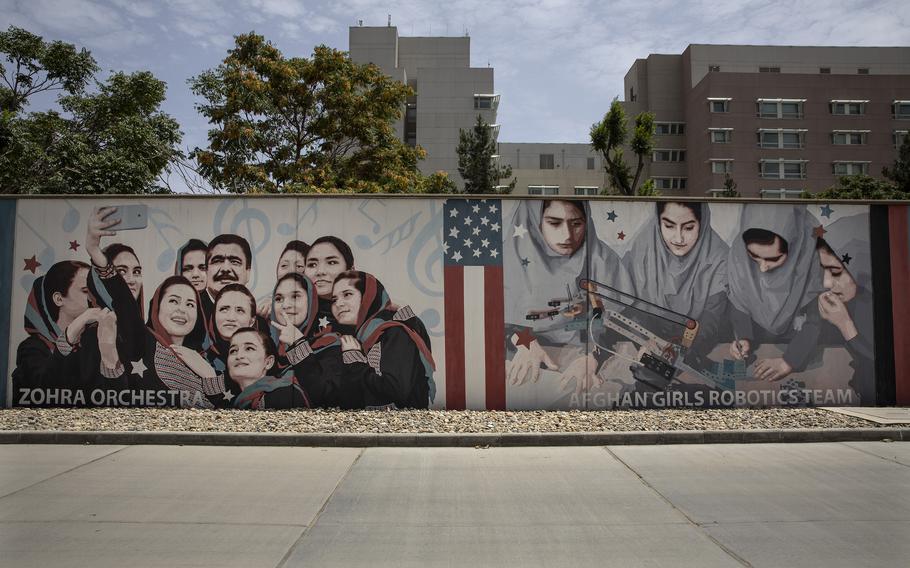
457, 256
453, 213
139, 367
520, 231
484, 221
468, 243
476, 253
485, 243
323, 322
467, 221
445, 248
475, 231
495, 227
494, 253
493, 209
476, 208
454, 232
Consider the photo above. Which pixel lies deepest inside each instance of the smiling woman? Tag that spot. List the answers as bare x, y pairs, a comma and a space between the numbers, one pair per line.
328, 257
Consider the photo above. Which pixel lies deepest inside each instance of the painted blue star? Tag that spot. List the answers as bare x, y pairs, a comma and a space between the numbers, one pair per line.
611, 216
827, 211
846, 258
525, 261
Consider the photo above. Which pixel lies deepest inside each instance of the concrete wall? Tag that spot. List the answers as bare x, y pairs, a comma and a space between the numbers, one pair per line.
492, 285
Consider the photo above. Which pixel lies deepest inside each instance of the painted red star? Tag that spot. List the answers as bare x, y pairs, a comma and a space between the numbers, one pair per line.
31, 264
525, 337
74, 245
819, 232
620, 235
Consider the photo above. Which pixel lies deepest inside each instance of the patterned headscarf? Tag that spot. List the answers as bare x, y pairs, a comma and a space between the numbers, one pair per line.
198, 338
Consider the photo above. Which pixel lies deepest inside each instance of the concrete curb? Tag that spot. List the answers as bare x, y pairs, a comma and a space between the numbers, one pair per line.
457, 440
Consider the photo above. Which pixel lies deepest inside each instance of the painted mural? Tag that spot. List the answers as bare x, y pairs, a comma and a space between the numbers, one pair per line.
276, 303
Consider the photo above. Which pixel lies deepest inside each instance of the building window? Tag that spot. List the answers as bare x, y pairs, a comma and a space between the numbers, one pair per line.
716, 192
782, 169
669, 156
863, 71
486, 101
901, 109
546, 161
721, 135
543, 190
848, 137
721, 166
781, 138
780, 193
586, 190
780, 108
410, 124
670, 128
713, 68
824, 70
769, 69
590, 163
848, 107
669, 182
850, 168
898, 137
717, 104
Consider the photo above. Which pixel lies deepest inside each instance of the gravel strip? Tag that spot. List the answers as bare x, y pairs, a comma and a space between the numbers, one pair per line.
420, 421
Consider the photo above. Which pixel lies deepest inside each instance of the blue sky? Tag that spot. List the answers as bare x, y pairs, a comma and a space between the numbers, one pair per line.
558, 63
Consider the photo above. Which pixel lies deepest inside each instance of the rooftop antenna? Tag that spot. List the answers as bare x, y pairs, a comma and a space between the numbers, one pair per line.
390, 21
360, 23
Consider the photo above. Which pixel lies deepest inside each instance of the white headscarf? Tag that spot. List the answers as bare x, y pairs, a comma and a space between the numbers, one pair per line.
535, 274
775, 297
682, 284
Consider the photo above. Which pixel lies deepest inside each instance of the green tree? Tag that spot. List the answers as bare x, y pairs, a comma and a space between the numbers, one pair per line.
114, 140
729, 187
317, 124
859, 187
438, 182
35, 66
899, 172
610, 135
479, 170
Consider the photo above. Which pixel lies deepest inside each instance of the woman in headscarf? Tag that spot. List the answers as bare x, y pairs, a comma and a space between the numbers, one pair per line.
388, 362
554, 245
251, 361
678, 262
328, 257
191, 263
292, 259
234, 309
174, 339
846, 305
60, 351
774, 283
314, 358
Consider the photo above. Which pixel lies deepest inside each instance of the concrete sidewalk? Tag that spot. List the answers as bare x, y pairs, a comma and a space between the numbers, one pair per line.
829, 504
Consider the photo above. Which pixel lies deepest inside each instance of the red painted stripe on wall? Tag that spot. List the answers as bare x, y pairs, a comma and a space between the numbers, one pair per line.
494, 338
453, 280
899, 228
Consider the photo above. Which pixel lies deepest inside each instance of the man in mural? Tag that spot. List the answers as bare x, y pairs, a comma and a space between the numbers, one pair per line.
846, 305
775, 281
228, 261
549, 251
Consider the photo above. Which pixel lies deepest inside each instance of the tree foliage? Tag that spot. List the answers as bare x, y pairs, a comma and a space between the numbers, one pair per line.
323, 123
899, 172
476, 164
610, 135
729, 187
33, 66
859, 187
114, 140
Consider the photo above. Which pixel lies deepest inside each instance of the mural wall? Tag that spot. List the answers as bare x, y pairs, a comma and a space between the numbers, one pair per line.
460, 303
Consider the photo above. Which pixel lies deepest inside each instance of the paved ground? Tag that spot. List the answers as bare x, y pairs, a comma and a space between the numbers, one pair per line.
787, 505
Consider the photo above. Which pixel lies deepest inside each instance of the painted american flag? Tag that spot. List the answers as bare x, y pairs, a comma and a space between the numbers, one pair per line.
474, 318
